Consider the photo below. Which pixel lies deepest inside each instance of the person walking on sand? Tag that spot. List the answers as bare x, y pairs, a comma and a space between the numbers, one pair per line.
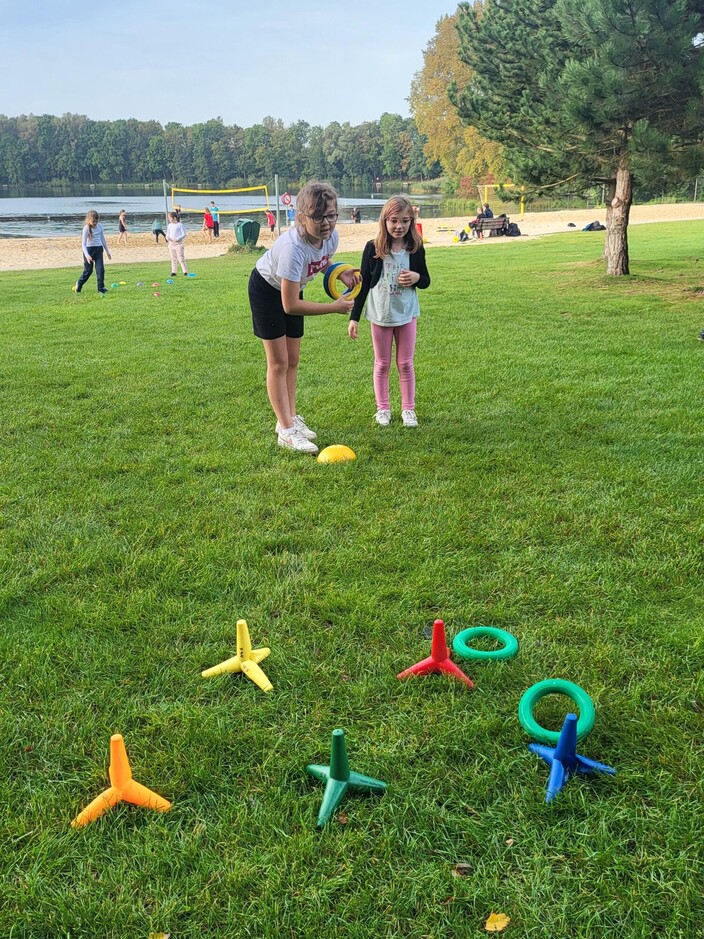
278, 309
158, 230
93, 244
215, 212
122, 227
271, 222
208, 223
175, 237
393, 267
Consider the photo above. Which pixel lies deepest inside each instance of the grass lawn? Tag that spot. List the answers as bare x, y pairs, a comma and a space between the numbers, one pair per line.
555, 489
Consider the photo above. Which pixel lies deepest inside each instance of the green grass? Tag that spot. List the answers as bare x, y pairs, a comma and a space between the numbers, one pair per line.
553, 489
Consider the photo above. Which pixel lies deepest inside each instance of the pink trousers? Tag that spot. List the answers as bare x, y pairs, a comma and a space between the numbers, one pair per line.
382, 340
178, 256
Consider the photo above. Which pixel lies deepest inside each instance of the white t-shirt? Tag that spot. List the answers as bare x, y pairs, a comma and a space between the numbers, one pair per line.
292, 258
388, 303
175, 231
96, 240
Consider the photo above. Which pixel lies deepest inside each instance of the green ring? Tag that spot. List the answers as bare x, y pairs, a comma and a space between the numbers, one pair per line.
580, 697
460, 646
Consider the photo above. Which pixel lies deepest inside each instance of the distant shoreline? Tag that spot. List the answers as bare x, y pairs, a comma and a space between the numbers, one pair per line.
23, 254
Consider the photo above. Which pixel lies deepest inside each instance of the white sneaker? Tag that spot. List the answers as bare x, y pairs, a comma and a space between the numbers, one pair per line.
301, 426
409, 418
383, 417
293, 439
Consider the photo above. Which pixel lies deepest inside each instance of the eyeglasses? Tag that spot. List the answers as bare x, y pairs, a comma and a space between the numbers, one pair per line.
319, 219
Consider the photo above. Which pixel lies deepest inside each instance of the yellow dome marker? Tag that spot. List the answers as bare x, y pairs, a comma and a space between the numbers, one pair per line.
246, 661
122, 788
337, 453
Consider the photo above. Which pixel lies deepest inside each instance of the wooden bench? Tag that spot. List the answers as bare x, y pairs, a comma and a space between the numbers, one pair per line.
489, 225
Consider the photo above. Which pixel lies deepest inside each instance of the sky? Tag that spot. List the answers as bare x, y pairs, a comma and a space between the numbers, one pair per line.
189, 61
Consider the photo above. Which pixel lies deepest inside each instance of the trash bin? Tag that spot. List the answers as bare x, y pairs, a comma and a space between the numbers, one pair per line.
247, 231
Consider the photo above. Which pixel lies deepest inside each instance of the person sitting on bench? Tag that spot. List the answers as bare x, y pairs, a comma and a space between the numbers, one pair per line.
473, 224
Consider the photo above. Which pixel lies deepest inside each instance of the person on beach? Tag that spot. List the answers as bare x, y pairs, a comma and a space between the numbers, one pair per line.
271, 222
175, 237
93, 244
215, 212
278, 309
475, 222
158, 230
122, 227
208, 223
393, 268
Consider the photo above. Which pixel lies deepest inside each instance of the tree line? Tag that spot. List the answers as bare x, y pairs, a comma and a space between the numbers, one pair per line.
75, 149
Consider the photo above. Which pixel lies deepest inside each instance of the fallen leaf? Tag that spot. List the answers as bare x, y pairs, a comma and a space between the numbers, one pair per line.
344, 677
497, 922
461, 869
343, 818
510, 842
159, 935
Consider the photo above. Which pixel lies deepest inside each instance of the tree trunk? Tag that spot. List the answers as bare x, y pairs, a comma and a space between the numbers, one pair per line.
617, 223
609, 193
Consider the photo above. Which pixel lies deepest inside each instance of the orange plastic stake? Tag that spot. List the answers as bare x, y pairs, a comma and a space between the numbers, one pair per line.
122, 788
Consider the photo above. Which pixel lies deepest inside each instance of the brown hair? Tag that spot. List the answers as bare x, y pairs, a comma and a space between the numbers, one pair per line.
382, 243
312, 200
91, 220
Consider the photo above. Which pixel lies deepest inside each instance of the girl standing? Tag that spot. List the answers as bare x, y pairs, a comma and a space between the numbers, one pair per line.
278, 308
122, 226
93, 244
208, 223
175, 237
393, 266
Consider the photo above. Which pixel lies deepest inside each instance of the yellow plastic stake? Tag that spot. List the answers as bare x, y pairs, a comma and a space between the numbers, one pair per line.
122, 788
246, 661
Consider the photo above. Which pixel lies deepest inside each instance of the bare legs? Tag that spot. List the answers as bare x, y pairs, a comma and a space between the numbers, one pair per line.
282, 357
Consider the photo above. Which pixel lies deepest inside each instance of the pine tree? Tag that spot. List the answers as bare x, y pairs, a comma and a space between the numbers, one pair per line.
584, 91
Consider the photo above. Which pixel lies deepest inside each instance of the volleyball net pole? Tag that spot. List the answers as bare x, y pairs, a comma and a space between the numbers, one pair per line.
522, 198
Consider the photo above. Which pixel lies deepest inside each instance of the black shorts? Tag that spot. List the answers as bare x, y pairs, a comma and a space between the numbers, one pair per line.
269, 319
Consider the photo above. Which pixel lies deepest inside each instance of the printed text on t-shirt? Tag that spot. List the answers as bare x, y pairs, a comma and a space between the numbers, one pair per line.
315, 267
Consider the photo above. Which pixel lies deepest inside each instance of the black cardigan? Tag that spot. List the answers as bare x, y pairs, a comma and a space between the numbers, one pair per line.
371, 273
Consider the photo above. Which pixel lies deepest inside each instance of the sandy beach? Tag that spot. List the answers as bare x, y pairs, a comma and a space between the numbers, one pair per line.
23, 254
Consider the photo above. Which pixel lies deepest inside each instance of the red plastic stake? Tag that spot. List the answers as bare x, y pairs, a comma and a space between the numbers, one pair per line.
439, 659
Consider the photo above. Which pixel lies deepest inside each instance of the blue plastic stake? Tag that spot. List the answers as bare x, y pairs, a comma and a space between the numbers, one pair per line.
564, 761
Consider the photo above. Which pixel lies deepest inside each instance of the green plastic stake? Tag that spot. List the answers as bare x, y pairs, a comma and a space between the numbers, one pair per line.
338, 778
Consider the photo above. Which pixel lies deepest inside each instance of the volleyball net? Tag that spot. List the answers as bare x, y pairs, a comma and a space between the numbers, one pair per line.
243, 201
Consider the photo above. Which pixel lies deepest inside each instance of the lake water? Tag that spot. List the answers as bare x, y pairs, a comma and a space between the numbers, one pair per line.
34, 215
